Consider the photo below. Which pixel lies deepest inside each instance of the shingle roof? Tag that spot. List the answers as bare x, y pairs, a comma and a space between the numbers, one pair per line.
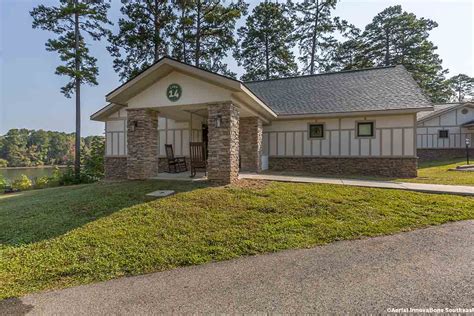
387, 88
437, 108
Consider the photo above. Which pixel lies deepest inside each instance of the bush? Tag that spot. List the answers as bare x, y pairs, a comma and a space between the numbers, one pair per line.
23, 183
3, 182
3, 163
42, 182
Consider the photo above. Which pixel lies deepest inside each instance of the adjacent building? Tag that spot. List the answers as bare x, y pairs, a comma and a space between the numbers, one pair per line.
442, 133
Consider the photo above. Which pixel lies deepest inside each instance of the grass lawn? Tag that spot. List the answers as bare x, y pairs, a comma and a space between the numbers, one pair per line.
67, 236
438, 172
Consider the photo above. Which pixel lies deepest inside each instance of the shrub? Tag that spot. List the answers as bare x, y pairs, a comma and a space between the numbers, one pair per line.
42, 182
23, 183
3, 182
3, 163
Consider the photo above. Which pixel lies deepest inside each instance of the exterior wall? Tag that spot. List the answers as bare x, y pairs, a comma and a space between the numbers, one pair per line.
115, 168
427, 131
116, 134
250, 133
142, 135
394, 137
223, 150
427, 154
384, 167
179, 134
194, 91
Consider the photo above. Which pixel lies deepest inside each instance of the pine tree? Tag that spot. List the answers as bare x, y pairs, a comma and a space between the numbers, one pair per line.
315, 33
143, 36
461, 86
204, 33
265, 43
397, 37
68, 20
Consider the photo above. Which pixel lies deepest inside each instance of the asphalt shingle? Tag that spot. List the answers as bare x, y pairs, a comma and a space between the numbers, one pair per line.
387, 88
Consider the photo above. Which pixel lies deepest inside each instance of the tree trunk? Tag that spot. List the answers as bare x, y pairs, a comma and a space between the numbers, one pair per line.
183, 32
77, 156
387, 47
267, 58
156, 32
314, 39
267, 48
197, 56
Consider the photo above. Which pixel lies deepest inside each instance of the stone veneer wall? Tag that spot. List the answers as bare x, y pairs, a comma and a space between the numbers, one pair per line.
223, 144
115, 168
426, 154
384, 167
142, 143
251, 136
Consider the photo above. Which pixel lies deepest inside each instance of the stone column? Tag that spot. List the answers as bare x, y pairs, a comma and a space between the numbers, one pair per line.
251, 135
142, 143
223, 143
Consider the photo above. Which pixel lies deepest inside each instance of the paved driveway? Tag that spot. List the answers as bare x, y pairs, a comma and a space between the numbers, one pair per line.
421, 269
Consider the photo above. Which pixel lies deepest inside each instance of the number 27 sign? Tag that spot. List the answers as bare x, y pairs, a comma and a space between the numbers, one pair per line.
173, 92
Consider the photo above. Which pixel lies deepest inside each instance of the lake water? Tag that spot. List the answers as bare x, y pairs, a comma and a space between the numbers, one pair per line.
12, 173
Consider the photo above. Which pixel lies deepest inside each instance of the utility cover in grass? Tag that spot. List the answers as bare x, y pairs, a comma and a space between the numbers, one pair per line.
161, 193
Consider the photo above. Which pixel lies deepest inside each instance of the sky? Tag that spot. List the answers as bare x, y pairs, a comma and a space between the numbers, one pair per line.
30, 91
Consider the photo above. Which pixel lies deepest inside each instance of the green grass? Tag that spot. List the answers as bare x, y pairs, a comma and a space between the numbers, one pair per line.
437, 172
62, 237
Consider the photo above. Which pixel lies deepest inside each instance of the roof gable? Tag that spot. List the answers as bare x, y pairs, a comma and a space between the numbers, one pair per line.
440, 109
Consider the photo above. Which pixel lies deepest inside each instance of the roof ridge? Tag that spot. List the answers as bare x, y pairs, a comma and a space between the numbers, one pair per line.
323, 74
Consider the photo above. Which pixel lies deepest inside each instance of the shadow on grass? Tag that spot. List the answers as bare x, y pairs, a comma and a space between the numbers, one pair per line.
43, 214
14, 306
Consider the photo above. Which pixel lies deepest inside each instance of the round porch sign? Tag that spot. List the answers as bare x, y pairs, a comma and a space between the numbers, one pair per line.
173, 92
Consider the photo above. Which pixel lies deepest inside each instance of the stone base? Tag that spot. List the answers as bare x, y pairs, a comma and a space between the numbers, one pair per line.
428, 154
115, 168
381, 167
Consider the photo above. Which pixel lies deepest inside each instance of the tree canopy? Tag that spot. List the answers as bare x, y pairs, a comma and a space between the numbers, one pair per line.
24, 147
266, 41
397, 37
143, 37
461, 87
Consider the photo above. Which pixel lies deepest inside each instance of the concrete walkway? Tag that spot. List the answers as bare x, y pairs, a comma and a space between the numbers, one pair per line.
426, 268
420, 187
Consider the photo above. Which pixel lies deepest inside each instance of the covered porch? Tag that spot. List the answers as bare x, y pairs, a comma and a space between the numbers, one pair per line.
231, 135
174, 103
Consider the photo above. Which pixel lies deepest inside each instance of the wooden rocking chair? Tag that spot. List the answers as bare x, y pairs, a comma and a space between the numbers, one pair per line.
178, 164
197, 151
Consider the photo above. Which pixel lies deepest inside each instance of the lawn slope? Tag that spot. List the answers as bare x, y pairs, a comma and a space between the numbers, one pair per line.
75, 235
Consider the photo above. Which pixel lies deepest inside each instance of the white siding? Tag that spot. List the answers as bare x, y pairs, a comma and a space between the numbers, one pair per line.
115, 135
178, 134
393, 137
427, 131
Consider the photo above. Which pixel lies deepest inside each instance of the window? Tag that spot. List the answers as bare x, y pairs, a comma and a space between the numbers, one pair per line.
316, 130
365, 129
443, 134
